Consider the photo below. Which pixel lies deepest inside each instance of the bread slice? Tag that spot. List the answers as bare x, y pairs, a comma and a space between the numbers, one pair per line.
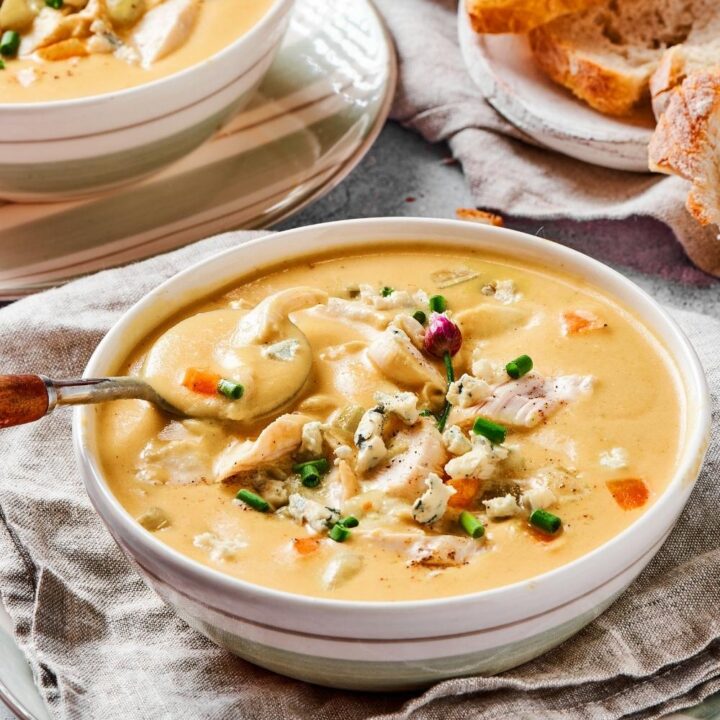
699, 52
519, 16
686, 142
606, 54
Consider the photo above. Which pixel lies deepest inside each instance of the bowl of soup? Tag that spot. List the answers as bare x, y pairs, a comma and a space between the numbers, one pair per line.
96, 93
406, 449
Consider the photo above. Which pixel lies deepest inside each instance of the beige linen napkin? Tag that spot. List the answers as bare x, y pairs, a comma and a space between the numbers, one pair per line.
103, 646
506, 173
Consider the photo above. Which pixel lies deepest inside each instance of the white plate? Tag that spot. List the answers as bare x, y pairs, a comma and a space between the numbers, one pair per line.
317, 112
17, 690
503, 68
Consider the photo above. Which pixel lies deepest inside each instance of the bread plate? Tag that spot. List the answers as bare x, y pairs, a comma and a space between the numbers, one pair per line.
503, 69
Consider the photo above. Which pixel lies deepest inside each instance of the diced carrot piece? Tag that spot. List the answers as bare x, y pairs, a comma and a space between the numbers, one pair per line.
72, 47
465, 491
581, 321
479, 216
541, 536
629, 493
201, 381
305, 545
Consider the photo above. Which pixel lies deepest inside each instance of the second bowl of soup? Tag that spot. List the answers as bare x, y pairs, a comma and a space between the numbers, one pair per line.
404, 454
94, 93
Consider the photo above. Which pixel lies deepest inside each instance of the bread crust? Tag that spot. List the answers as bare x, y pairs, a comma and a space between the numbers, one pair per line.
669, 74
685, 144
601, 87
519, 16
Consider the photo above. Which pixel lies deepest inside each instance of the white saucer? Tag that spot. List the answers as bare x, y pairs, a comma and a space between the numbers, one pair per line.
503, 68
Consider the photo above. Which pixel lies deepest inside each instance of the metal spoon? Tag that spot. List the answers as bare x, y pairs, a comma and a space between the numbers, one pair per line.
26, 398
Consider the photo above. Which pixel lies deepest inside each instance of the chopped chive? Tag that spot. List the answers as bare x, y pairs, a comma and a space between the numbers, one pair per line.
253, 500
387, 291
427, 413
438, 303
471, 525
310, 476
230, 389
449, 370
420, 316
349, 522
320, 464
519, 366
442, 420
339, 533
450, 373
9, 43
492, 431
545, 521
55, 4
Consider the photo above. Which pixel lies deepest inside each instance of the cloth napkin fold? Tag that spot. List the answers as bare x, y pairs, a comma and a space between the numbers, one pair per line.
505, 171
103, 646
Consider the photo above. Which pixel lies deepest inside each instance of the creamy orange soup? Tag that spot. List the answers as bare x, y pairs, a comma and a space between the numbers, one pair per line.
91, 47
332, 474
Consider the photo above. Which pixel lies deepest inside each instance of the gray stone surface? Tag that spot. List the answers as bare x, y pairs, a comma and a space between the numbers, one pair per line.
404, 175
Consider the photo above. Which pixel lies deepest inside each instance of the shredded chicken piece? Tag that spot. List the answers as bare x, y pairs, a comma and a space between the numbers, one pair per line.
394, 354
267, 321
404, 474
538, 496
280, 438
341, 569
428, 550
181, 453
219, 548
528, 401
164, 29
353, 312
394, 300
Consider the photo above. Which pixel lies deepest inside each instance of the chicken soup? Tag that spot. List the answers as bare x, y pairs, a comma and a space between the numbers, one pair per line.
396, 425
58, 50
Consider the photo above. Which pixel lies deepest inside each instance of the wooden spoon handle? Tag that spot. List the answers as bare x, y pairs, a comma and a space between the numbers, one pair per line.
23, 399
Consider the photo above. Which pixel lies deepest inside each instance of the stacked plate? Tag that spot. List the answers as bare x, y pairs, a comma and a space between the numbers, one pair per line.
323, 102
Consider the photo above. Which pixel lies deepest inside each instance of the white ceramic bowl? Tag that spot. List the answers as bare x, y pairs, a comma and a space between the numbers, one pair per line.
392, 645
58, 150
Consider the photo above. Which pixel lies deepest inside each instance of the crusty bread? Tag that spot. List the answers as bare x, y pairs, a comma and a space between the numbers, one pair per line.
606, 54
519, 16
479, 216
686, 142
700, 51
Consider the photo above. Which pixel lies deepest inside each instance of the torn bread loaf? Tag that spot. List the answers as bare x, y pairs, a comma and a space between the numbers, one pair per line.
519, 16
607, 54
686, 142
699, 52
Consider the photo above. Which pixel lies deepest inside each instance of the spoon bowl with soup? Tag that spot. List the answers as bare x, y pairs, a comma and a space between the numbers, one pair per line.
229, 364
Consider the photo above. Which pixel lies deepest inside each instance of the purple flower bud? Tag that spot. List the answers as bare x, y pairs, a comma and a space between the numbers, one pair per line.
442, 336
